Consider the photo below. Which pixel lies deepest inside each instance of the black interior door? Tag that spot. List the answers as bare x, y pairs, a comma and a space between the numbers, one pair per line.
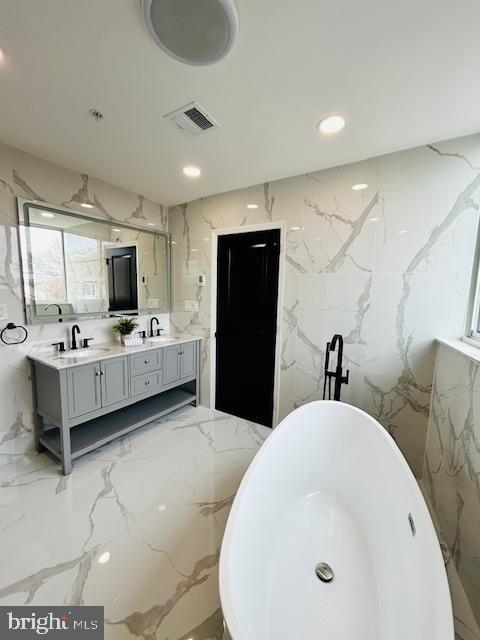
122, 278
247, 291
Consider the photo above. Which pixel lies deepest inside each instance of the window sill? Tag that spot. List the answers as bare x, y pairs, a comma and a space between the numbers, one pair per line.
466, 347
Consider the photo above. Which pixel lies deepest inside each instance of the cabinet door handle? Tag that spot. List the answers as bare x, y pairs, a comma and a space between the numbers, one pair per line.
98, 373
147, 361
103, 372
147, 382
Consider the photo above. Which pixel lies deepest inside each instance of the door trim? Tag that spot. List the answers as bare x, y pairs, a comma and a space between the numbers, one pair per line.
264, 226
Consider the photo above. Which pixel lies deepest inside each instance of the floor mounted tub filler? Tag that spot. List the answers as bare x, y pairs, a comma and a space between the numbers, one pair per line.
329, 537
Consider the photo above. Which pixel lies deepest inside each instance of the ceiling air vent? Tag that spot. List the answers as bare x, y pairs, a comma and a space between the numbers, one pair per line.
192, 119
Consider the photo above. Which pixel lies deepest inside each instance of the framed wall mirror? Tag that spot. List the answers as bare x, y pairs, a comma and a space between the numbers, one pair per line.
76, 267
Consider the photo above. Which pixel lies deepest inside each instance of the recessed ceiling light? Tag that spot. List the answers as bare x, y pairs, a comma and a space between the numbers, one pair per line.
360, 186
47, 214
105, 557
116, 230
374, 219
331, 124
151, 224
86, 205
252, 206
191, 172
295, 228
173, 242
403, 231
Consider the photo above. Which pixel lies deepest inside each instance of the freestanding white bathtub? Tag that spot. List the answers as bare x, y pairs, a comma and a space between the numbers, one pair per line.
330, 485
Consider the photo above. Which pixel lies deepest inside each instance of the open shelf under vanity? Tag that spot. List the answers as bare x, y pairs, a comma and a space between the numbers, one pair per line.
90, 435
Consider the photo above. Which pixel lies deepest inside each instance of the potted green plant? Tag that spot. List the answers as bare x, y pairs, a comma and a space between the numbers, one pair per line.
124, 327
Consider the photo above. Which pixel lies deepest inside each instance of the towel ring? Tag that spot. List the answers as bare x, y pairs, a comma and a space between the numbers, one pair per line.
10, 326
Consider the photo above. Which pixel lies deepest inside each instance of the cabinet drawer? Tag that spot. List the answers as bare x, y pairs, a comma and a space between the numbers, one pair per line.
148, 383
144, 362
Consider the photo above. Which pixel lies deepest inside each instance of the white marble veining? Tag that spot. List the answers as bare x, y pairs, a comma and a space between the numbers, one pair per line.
389, 267
452, 478
136, 528
101, 352
31, 177
466, 625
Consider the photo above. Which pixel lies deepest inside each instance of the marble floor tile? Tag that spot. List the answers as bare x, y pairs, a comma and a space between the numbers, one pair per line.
137, 527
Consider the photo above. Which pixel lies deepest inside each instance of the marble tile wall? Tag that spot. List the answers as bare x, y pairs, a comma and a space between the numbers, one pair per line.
389, 267
30, 177
452, 475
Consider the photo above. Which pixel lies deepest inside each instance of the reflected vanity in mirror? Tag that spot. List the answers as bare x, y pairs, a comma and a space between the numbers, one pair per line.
77, 267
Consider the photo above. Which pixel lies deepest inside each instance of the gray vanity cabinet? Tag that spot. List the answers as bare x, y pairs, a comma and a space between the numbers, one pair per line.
80, 407
84, 389
99, 384
180, 362
171, 364
188, 363
114, 381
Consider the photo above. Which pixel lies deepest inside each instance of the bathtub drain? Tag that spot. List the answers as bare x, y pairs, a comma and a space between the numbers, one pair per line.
324, 572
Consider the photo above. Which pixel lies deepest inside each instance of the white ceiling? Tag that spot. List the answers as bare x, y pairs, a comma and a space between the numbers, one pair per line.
403, 73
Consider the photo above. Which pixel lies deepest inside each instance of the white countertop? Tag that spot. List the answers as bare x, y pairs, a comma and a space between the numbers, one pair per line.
50, 358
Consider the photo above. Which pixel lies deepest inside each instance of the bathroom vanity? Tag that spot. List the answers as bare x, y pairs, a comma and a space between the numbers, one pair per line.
87, 397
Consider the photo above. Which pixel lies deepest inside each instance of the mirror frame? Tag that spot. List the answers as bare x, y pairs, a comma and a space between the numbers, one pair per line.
23, 206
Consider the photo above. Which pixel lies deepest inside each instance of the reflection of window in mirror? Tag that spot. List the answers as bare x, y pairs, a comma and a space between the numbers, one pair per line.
49, 278
84, 273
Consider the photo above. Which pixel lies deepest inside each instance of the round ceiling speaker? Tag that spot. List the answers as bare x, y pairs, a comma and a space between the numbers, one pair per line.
197, 32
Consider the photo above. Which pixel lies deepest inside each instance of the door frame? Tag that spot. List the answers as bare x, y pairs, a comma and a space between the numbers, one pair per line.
215, 234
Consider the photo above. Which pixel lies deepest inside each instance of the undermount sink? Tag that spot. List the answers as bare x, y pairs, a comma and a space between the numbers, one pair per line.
84, 353
163, 338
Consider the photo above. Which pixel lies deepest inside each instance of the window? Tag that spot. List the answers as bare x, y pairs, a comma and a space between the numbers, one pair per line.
473, 317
